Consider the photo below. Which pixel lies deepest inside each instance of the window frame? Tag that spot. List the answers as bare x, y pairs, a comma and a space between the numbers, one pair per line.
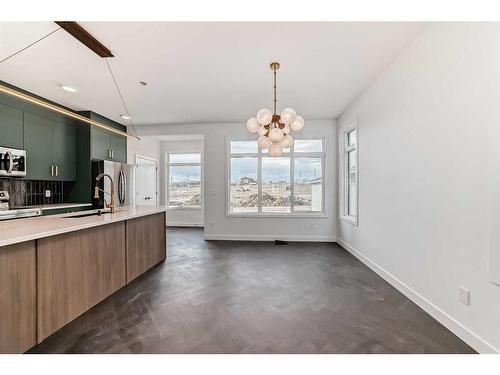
259, 155
344, 159
167, 184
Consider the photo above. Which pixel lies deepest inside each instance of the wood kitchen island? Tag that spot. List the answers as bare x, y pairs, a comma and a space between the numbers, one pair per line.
53, 269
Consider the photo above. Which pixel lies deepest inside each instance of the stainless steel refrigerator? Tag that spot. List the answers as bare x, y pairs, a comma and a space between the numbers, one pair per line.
123, 176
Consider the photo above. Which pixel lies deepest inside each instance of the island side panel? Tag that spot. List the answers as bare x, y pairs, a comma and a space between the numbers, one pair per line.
77, 270
146, 244
17, 297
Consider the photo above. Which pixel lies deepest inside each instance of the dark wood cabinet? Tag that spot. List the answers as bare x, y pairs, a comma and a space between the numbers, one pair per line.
77, 270
17, 297
48, 282
146, 244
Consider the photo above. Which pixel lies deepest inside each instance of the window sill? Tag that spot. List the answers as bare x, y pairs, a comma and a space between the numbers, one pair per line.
349, 219
184, 208
317, 215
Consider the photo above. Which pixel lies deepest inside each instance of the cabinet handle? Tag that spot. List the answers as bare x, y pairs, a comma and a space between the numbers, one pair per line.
57, 170
112, 154
51, 170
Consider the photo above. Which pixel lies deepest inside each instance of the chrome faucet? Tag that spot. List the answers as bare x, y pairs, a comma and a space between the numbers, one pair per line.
97, 189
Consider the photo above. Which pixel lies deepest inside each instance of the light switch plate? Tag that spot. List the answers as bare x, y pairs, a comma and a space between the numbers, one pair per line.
464, 295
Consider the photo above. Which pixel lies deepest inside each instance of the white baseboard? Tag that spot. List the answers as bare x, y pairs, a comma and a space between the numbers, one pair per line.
248, 237
180, 224
476, 342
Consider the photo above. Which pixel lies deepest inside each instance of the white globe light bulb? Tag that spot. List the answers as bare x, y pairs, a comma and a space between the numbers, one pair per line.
286, 129
253, 125
288, 116
287, 141
276, 135
298, 123
264, 116
262, 131
275, 149
263, 142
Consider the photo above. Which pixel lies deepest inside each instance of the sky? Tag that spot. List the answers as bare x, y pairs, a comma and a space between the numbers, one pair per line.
273, 168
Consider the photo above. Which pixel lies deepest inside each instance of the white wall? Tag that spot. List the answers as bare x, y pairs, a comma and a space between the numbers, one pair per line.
147, 146
425, 176
184, 216
217, 225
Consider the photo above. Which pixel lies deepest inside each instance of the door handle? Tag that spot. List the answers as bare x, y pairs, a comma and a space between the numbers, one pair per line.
57, 170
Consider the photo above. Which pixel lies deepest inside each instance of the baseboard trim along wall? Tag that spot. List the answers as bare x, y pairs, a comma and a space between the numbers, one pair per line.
441, 316
175, 224
245, 237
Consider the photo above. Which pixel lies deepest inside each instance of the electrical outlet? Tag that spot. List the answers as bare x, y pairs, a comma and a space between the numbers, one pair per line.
47, 193
464, 295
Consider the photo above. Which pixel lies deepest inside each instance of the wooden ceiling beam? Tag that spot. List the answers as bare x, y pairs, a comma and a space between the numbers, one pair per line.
85, 38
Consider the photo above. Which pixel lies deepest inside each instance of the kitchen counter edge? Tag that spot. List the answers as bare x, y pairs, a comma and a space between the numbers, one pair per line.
28, 229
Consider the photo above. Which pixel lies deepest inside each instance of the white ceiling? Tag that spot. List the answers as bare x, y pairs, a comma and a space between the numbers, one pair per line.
204, 72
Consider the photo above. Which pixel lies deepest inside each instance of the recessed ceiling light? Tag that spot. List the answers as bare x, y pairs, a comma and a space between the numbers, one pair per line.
125, 117
68, 88
143, 83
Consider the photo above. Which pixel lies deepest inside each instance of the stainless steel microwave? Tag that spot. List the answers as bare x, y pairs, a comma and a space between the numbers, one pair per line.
12, 162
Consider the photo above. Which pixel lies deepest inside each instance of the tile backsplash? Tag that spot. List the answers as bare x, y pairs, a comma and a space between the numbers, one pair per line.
32, 192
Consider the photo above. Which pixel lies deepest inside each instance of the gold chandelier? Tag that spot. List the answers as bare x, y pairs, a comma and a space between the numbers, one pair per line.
274, 129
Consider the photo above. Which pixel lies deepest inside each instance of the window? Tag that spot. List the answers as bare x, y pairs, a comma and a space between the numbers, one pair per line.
184, 180
350, 176
260, 184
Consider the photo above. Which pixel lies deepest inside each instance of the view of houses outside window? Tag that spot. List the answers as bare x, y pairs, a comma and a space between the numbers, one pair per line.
263, 184
184, 180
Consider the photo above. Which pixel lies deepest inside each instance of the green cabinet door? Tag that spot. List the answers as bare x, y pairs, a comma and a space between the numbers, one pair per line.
64, 157
100, 144
11, 127
119, 148
38, 143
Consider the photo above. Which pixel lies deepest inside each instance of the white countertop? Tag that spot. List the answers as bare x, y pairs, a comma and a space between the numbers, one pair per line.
56, 206
20, 230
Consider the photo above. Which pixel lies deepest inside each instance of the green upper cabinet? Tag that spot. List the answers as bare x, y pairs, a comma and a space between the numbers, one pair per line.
38, 143
118, 148
50, 149
65, 151
107, 145
100, 144
11, 127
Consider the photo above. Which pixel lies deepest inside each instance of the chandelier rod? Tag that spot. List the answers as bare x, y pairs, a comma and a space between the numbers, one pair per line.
274, 92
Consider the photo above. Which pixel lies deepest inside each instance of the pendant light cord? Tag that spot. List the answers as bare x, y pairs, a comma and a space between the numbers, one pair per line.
29, 45
110, 70
121, 96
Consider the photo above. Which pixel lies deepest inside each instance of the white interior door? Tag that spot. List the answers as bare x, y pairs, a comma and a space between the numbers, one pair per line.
145, 181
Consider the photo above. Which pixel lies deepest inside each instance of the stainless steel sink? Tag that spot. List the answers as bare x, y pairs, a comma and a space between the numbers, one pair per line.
87, 214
